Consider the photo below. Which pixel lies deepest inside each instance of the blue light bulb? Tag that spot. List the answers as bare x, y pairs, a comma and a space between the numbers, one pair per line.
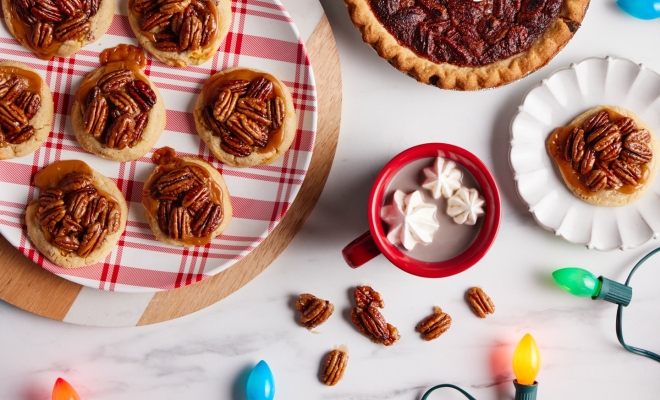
642, 9
260, 384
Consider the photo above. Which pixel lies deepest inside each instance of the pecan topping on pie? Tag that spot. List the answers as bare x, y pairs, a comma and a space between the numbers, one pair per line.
607, 152
245, 115
74, 214
368, 319
19, 102
184, 199
117, 103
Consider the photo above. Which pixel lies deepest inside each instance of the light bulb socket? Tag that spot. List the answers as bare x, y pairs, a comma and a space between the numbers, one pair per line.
614, 292
525, 392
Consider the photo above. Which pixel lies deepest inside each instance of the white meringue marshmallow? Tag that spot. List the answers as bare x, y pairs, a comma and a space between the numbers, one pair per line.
443, 178
409, 219
465, 206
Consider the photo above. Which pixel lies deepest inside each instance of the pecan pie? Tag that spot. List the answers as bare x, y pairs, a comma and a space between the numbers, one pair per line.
466, 44
180, 32
186, 200
57, 27
606, 156
245, 117
79, 215
26, 110
118, 113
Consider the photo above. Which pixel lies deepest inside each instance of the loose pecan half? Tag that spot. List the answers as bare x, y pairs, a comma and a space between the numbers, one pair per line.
29, 102
333, 367
481, 304
73, 28
370, 323
115, 80
434, 325
596, 120
96, 117
314, 311
641, 136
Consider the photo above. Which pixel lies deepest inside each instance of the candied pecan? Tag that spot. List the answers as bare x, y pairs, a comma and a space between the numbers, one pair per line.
76, 202
115, 80
29, 102
26, 15
75, 181
73, 28
190, 37
613, 182
199, 174
141, 121
142, 6
276, 112
48, 196
92, 239
49, 214
172, 6
209, 27
370, 322
124, 102
196, 198
176, 23
20, 137
96, 117
175, 182
640, 151
628, 173
588, 160
611, 152
334, 367
224, 105
233, 145
236, 86
91, 7
163, 213
179, 223
68, 7
625, 125
434, 325
633, 158
600, 132
121, 132
314, 311
596, 180
113, 218
142, 93
254, 109
247, 130
596, 120
165, 36
260, 88
641, 136
12, 88
167, 46
46, 10
365, 295
93, 93
69, 226
12, 117
66, 243
612, 137
211, 122
26, 4
206, 220
97, 210
153, 20
481, 304
574, 146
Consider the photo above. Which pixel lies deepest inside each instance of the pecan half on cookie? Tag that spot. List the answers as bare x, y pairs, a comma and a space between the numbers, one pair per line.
79, 215
118, 113
368, 319
186, 200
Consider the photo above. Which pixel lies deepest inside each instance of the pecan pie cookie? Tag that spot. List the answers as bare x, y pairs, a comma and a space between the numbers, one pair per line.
79, 215
245, 117
57, 27
26, 110
180, 32
606, 156
118, 113
465, 44
186, 200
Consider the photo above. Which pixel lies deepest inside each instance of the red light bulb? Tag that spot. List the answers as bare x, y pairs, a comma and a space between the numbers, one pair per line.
63, 391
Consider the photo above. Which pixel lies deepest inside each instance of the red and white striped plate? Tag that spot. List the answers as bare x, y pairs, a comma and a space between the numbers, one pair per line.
262, 36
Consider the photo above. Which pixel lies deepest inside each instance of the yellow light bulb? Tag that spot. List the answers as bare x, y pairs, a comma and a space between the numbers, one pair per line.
526, 361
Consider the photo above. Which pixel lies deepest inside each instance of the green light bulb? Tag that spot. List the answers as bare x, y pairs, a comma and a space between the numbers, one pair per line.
578, 282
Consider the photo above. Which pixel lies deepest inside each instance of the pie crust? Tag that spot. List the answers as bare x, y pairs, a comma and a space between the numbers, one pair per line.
42, 121
73, 260
448, 76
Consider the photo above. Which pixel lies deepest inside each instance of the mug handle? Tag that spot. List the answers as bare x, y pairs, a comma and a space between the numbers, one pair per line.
361, 250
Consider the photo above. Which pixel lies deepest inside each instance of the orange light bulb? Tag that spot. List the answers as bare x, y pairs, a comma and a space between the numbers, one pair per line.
63, 391
526, 361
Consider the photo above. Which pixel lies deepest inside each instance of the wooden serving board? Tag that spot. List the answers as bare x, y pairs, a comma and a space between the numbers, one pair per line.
33, 289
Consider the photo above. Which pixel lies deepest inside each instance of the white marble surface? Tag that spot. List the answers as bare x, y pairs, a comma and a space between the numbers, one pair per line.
206, 355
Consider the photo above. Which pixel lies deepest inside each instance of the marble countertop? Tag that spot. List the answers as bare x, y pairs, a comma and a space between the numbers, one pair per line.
207, 355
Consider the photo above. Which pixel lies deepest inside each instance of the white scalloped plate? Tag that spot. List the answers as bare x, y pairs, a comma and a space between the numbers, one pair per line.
566, 94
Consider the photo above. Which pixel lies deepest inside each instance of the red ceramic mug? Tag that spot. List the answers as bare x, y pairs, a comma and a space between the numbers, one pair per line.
374, 242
